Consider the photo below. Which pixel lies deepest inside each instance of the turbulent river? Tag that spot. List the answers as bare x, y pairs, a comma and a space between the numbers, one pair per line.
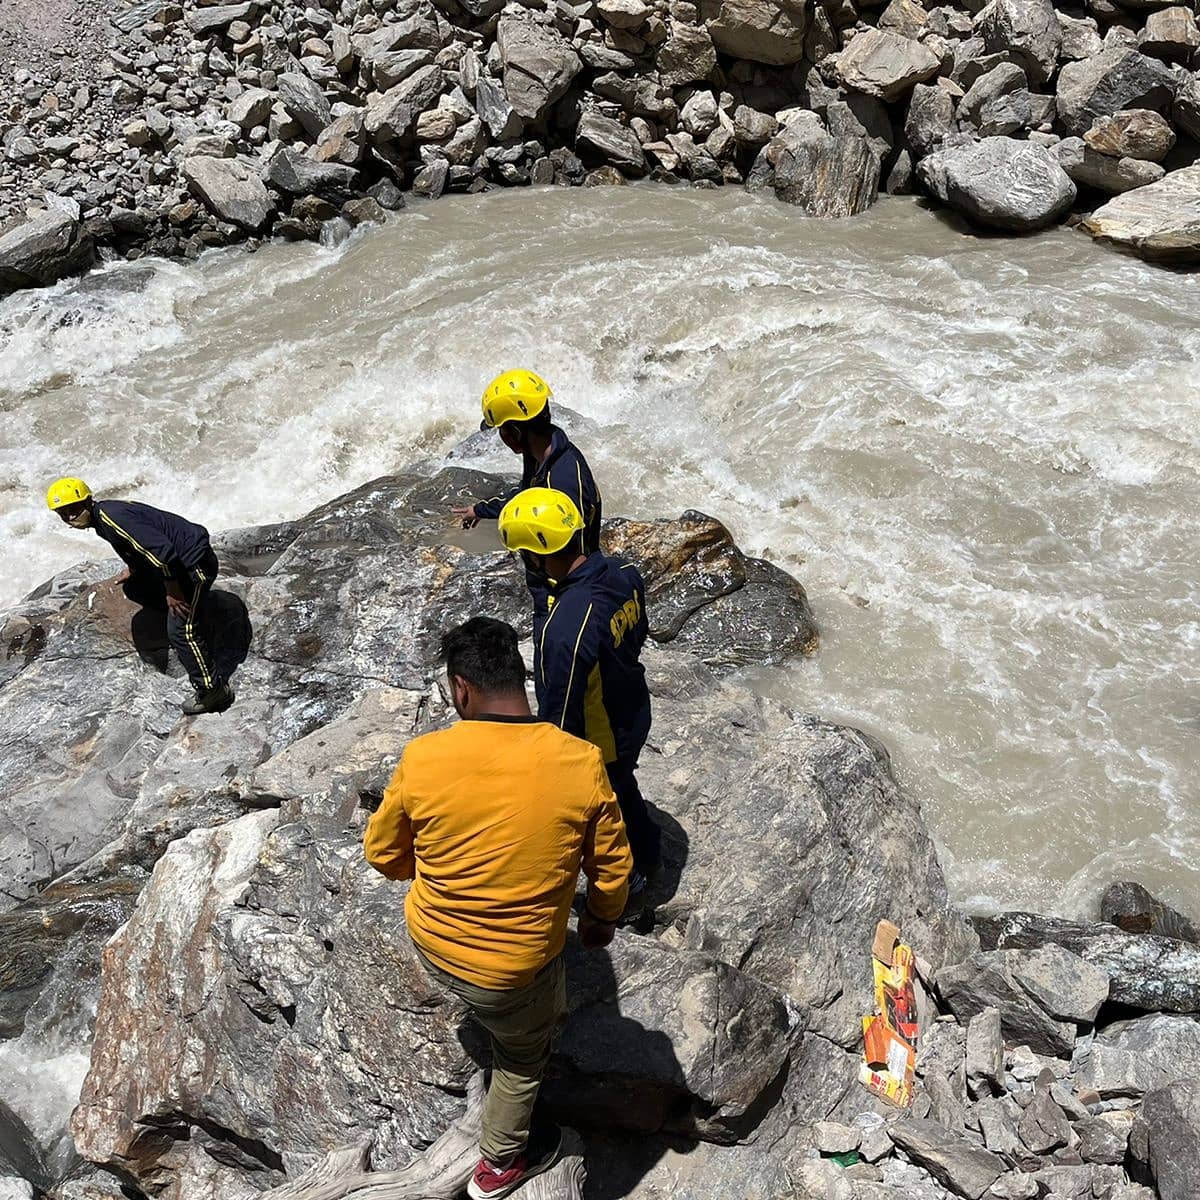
979, 455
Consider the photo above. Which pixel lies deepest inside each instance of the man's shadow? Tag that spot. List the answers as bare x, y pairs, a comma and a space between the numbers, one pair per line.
224, 623
617, 1082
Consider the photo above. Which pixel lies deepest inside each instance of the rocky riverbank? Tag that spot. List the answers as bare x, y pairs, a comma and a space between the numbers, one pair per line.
156, 127
261, 1025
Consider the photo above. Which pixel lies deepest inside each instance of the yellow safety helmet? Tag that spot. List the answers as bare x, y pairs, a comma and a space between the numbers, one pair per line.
514, 396
539, 519
67, 491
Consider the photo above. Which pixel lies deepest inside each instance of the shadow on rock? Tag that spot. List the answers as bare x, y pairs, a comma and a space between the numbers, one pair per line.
224, 623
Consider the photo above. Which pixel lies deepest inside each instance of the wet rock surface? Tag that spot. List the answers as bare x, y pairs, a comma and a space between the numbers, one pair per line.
263, 1026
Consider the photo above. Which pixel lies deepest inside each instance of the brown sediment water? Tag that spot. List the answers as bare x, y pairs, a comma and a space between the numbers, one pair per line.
980, 455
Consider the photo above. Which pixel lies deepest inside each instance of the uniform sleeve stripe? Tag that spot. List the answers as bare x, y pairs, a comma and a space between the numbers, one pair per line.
130, 539
574, 657
554, 608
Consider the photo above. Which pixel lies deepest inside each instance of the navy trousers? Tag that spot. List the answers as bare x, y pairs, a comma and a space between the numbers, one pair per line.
645, 837
186, 636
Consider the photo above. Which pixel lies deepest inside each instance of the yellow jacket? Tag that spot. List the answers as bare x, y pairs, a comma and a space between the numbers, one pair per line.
492, 819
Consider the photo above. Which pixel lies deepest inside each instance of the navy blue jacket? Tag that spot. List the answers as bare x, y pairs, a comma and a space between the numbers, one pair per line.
149, 539
586, 671
565, 469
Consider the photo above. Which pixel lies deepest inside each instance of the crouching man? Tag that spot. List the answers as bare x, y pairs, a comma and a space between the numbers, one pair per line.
493, 819
171, 566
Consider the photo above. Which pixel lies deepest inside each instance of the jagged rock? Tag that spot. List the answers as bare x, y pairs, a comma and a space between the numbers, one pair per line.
304, 102
953, 1161
395, 66
884, 64
1093, 169
1134, 1057
1043, 1126
205, 21
502, 120
298, 175
765, 31
44, 248
1027, 29
1147, 972
1000, 182
1170, 1117
753, 128
1136, 133
539, 65
835, 1138
230, 190
997, 103
623, 14
930, 117
1170, 34
1185, 112
687, 56
251, 108
826, 176
1040, 994
985, 1052
602, 137
1104, 1138
1116, 79
1134, 910
1080, 38
998, 1118
1016, 1185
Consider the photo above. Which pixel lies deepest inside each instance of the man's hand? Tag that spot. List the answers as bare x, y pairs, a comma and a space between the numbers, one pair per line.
466, 516
122, 577
595, 934
178, 606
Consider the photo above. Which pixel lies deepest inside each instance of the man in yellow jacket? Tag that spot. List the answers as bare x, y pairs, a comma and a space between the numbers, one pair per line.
493, 819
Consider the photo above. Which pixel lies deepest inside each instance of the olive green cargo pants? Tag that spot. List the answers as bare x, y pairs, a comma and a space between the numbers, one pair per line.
522, 1024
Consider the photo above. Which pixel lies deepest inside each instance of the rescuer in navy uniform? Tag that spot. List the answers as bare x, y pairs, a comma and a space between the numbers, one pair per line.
171, 566
587, 645
517, 405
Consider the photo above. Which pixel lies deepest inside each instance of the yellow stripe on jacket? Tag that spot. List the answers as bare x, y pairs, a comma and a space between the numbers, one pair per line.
493, 822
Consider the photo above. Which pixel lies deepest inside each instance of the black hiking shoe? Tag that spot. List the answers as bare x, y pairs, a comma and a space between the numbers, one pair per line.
216, 699
637, 907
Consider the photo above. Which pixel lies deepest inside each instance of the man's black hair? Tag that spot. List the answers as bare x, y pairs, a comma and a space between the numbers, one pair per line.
484, 652
539, 424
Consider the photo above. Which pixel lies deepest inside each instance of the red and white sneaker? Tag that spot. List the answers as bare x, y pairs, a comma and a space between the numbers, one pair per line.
491, 1182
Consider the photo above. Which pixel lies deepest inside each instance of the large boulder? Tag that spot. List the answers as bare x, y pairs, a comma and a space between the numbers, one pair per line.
765, 31
296, 174
1160, 222
1118, 78
1185, 112
1135, 133
929, 119
42, 249
1169, 1120
1131, 1058
539, 65
823, 174
1147, 971
304, 101
1091, 168
602, 138
884, 64
687, 56
998, 103
1028, 30
263, 1006
1041, 995
230, 190
1000, 182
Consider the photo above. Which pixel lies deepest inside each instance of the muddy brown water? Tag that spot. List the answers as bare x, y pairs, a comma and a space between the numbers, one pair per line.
980, 455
